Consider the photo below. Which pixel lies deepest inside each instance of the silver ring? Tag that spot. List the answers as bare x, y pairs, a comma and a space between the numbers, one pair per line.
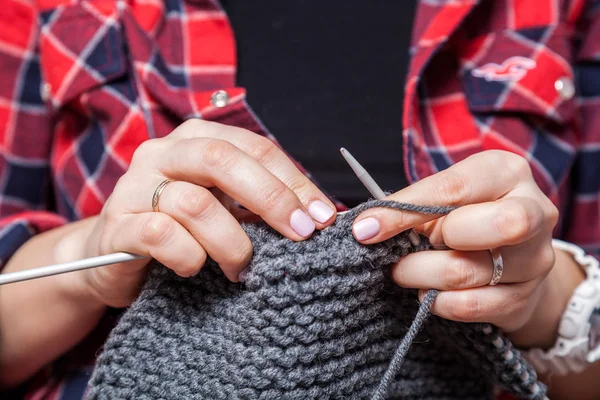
157, 192
498, 267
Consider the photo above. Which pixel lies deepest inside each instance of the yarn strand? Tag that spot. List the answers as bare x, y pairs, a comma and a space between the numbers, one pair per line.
398, 359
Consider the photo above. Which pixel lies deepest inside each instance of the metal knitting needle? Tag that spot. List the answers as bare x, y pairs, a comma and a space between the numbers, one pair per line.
373, 187
115, 258
78, 265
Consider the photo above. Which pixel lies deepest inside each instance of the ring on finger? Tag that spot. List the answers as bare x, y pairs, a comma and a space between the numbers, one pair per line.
157, 192
498, 267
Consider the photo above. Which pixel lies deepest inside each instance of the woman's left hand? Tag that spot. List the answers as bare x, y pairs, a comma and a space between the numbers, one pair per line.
501, 207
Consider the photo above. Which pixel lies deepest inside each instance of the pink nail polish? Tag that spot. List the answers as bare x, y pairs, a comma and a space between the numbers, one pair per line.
366, 228
301, 223
320, 211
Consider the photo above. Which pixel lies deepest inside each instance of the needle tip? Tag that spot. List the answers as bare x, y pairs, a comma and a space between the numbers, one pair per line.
356, 167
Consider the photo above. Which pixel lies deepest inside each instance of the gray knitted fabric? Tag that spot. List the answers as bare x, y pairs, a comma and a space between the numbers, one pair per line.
317, 319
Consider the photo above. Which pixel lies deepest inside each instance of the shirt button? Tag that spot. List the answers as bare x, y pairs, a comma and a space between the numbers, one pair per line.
219, 99
565, 88
45, 91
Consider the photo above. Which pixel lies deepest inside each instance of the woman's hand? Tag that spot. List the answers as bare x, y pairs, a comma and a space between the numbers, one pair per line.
501, 207
210, 164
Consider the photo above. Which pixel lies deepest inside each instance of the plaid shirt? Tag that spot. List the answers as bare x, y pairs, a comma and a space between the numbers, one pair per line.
83, 83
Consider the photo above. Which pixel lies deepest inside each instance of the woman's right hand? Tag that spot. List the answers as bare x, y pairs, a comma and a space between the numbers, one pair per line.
210, 165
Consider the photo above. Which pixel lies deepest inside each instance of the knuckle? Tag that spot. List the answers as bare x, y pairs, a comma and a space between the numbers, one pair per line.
467, 308
194, 265
274, 195
193, 203
124, 186
186, 271
495, 158
156, 229
219, 154
552, 214
518, 165
514, 222
240, 255
399, 222
519, 303
452, 188
301, 186
546, 258
264, 151
190, 128
122, 182
193, 127
202, 258
145, 150
192, 123
460, 274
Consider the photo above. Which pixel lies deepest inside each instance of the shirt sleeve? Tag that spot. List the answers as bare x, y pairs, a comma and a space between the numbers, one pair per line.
25, 133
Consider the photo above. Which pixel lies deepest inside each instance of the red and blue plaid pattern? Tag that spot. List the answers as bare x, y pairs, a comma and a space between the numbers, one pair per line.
453, 110
83, 83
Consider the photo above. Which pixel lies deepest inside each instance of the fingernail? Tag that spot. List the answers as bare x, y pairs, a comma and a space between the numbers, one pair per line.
320, 211
366, 228
301, 223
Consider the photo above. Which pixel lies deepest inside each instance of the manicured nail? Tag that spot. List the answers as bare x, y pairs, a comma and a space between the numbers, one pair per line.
320, 211
301, 223
366, 228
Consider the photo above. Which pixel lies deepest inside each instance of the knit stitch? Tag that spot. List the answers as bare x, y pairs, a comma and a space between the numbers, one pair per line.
316, 319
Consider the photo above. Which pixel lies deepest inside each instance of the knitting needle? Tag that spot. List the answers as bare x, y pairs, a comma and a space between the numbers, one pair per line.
372, 187
115, 258
78, 265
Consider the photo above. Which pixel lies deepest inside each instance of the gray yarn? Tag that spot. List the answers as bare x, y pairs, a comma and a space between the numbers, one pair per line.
396, 363
316, 319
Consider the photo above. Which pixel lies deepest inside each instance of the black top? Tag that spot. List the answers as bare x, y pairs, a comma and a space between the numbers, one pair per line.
326, 74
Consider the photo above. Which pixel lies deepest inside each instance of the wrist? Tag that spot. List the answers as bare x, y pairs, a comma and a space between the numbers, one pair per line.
75, 289
541, 330
74, 245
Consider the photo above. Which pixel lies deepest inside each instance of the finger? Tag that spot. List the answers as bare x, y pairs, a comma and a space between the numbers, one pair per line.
455, 270
217, 163
218, 232
159, 236
503, 222
528, 261
270, 156
506, 305
234, 208
444, 270
482, 177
